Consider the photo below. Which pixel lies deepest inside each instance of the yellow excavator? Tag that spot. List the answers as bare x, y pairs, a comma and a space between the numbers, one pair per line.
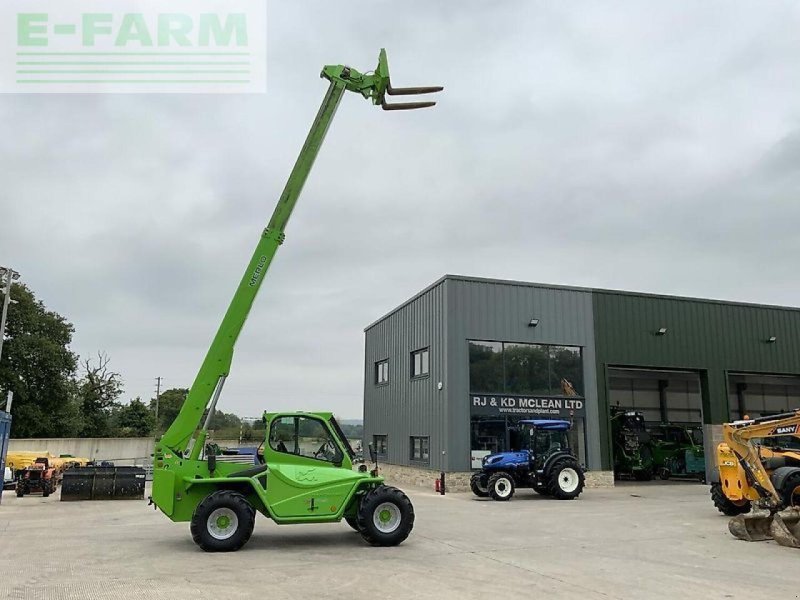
759, 468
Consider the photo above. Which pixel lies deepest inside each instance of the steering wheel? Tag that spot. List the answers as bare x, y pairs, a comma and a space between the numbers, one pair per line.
327, 451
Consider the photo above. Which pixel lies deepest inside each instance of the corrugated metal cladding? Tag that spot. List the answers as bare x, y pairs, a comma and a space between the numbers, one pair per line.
406, 407
444, 316
484, 309
710, 337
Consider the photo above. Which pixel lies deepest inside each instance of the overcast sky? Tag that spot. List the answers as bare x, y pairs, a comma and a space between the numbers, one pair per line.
643, 146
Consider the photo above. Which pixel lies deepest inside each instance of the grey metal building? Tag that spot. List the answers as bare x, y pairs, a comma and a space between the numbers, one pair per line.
449, 371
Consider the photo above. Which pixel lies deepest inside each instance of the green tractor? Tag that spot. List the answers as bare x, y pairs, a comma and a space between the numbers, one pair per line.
633, 456
306, 471
677, 451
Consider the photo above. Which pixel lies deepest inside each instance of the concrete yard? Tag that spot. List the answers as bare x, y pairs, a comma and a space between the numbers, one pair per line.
634, 541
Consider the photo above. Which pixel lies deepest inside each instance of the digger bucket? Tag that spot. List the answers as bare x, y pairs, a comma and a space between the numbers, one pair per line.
783, 527
754, 527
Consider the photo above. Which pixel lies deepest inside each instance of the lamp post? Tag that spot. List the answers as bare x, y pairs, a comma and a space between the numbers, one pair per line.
9, 275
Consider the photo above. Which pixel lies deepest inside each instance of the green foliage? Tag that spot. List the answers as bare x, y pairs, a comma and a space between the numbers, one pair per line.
38, 367
169, 404
98, 392
134, 420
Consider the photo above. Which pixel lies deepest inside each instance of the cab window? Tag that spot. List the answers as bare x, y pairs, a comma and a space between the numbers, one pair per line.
304, 436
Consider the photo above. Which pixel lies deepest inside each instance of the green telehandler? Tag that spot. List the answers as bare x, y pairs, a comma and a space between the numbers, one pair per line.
306, 473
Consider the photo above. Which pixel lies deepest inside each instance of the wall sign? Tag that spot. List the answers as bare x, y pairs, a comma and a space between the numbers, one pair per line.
539, 406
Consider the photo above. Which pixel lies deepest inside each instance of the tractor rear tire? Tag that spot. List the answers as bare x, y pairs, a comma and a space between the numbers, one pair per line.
45, 489
223, 522
501, 486
725, 505
478, 485
565, 480
20, 491
353, 522
790, 490
385, 516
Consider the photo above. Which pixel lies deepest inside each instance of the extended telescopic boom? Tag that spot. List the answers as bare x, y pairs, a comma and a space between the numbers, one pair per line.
210, 378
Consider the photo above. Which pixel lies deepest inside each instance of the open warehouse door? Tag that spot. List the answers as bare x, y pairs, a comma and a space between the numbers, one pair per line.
757, 395
657, 424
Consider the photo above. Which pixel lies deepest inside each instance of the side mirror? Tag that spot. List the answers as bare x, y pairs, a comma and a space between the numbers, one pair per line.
373, 456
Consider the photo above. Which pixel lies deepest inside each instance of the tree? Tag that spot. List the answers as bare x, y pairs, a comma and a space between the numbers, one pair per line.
38, 367
134, 419
98, 392
169, 404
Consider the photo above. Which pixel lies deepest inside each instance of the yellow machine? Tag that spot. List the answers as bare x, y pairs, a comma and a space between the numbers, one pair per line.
759, 467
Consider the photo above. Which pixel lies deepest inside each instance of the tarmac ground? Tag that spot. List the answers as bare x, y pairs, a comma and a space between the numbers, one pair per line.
637, 541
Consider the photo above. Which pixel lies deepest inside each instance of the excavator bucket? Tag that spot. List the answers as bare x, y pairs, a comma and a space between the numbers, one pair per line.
754, 527
785, 528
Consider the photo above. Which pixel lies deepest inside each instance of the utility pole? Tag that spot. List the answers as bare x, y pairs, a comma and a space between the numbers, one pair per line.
158, 395
10, 275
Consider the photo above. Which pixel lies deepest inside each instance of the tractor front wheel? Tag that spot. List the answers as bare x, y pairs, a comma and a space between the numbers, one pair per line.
725, 505
565, 480
501, 486
223, 522
353, 522
478, 485
385, 516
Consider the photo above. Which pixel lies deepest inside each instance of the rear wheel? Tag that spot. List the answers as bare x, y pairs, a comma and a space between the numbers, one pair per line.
725, 505
790, 490
501, 486
565, 480
353, 522
478, 485
223, 522
385, 516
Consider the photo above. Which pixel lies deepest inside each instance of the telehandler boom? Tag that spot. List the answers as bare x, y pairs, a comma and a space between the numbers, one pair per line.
768, 478
307, 471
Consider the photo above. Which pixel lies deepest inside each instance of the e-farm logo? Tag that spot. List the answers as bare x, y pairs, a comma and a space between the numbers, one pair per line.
206, 46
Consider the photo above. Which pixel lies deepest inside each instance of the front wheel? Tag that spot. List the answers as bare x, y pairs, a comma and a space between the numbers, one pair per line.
565, 480
223, 522
725, 505
385, 516
501, 486
478, 485
353, 522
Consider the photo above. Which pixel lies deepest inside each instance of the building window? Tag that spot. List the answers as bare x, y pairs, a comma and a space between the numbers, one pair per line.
525, 369
420, 449
420, 363
382, 371
381, 444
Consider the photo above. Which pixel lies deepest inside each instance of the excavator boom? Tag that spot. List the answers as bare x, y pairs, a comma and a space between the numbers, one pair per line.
776, 515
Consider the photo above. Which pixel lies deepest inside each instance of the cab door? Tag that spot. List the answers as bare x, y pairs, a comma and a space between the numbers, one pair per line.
306, 480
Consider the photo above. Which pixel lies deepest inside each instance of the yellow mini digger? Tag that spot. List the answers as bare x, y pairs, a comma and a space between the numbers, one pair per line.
759, 468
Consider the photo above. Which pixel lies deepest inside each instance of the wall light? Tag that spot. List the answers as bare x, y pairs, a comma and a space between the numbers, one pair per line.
533, 322
771, 339
662, 331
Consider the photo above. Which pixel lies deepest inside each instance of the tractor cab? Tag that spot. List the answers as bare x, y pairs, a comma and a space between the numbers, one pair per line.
543, 437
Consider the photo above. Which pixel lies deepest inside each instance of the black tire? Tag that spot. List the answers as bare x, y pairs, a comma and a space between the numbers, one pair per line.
385, 516
501, 486
231, 534
20, 492
664, 474
479, 485
643, 475
45, 490
565, 479
725, 505
353, 522
541, 489
790, 490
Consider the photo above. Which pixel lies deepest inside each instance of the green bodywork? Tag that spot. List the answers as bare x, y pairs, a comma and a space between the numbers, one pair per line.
677, 450
292, 488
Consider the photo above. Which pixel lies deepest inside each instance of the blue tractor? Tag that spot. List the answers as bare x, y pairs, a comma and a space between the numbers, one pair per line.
545, 463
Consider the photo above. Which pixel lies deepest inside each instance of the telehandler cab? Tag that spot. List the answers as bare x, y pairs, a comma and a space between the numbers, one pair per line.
755, 472
307, 473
